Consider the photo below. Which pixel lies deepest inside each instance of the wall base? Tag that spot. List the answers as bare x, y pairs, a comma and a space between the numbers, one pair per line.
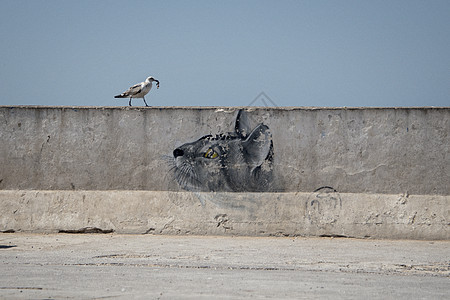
247, 214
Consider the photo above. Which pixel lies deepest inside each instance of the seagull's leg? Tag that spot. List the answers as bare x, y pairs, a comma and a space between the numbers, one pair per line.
129, 103
145, 102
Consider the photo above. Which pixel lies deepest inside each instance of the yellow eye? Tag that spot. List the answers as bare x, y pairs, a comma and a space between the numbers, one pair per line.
210, 154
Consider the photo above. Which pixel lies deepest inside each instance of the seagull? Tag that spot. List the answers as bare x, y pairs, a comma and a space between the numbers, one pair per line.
139, 90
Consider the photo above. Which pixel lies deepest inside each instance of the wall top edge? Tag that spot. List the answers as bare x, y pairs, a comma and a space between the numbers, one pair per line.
444, 197
225, 108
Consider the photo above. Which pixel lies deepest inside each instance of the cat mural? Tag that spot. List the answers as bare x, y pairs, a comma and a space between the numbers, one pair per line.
240, 161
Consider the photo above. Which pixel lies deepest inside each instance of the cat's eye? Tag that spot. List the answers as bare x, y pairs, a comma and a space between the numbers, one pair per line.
210, 154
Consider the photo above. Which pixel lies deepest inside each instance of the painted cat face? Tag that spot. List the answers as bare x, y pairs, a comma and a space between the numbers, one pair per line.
234, 162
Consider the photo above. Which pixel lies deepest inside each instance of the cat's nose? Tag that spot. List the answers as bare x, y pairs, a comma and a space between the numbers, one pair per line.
178, 152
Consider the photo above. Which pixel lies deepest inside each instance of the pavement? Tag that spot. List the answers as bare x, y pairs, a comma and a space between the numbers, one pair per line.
103, 266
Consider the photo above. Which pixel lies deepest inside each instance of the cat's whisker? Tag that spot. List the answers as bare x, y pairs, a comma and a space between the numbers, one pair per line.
173, 169
168, 158
187, 176
183, 174
170, 175
193, 173
187, 170
180, 179
183, 171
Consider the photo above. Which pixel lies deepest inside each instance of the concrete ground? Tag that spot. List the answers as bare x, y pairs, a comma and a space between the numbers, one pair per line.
86, 266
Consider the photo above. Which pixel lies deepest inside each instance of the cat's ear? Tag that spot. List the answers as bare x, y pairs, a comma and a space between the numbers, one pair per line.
258, 146
242, 126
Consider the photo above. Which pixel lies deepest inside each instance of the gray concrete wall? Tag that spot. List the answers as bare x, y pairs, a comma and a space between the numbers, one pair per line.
352, 150
250, 214
377, 154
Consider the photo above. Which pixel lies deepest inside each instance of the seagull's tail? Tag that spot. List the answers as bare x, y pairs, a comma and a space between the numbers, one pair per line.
120, 96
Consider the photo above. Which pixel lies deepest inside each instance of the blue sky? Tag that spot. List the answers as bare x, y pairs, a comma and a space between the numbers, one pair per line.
224, 53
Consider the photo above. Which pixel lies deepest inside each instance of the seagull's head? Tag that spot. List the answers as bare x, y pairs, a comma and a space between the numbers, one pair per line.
151, 79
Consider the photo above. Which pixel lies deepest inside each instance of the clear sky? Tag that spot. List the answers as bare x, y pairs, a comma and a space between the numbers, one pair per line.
224, 53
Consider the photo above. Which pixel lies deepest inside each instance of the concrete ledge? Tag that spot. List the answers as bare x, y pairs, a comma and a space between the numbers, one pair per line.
354, 150
325, 213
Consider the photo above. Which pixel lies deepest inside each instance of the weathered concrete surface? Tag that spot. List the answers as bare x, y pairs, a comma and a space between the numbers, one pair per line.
69, 168
167, 267
367, 150
252, 214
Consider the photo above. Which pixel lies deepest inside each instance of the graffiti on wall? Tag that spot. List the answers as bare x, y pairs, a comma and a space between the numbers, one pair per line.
238, 161
323, 206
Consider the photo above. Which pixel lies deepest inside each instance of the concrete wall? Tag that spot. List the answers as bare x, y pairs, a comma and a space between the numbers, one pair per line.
252, 214
378, 155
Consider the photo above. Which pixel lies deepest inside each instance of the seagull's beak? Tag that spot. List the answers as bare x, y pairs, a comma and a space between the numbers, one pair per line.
157, 83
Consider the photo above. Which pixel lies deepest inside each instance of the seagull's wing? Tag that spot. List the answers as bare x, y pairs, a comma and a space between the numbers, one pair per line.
135, 89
